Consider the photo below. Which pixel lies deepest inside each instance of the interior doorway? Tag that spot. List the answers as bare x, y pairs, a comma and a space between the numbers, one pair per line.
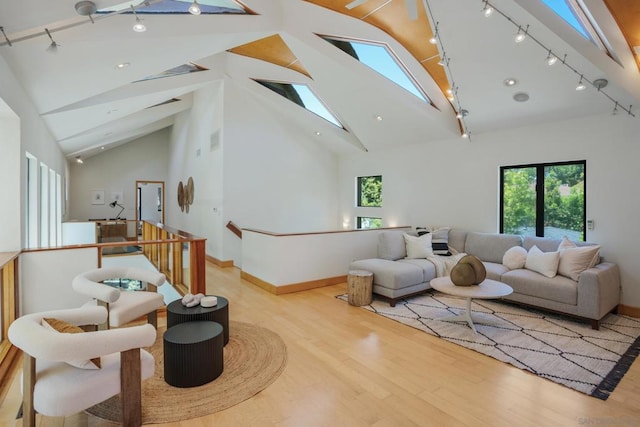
149, 202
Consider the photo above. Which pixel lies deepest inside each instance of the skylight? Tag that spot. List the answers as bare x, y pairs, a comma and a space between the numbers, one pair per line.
575, 14
381, 59
302, 95
179, 6
176, 71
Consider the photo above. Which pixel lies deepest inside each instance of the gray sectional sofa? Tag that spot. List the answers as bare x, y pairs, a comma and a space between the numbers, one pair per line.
594, 294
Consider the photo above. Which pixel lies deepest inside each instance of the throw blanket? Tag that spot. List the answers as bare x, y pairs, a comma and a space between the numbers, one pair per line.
444, 264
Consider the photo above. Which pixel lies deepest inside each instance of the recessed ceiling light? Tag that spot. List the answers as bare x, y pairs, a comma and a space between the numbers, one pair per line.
318, 133
521, 97
122, 65
510, 81
102, 148
379, 118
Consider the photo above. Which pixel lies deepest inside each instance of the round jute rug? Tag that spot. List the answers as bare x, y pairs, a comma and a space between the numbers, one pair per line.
254, 357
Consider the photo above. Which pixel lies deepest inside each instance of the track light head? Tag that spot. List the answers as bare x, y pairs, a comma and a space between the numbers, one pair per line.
138, 27
194, 9
487, 10
53, 47
551, 59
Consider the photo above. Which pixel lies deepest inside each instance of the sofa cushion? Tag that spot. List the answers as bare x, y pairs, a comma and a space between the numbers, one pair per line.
428, 269
574, 261
526, 282
545, 263
457, 239
489, 246
545, 244
419, 247
391, 245
494, 270
390, 274
515, 258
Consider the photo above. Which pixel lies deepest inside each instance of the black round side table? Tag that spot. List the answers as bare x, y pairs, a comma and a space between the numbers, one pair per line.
178, 313
193, 353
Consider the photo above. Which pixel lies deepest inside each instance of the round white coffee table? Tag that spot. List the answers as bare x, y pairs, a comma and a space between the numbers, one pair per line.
488, 289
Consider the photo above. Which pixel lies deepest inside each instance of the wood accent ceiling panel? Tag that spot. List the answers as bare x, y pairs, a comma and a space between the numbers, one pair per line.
627, 15
274, 50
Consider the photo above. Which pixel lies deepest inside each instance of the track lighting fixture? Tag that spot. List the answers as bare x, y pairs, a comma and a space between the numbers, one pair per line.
520, 35
138, 27
462, 113
194, 9
465, 135
79, 160
5, 36
487, 10
551, 59
53, 47
615, 109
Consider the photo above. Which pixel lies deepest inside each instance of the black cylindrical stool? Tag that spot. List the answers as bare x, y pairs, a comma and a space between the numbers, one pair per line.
178, 313
193, 353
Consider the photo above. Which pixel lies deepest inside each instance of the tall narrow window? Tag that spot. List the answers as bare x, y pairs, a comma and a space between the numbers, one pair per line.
370, 191
31, 201
44, 205
544, 200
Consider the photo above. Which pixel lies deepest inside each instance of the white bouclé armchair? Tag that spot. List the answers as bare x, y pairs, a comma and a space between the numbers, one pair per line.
122, 306
52, 386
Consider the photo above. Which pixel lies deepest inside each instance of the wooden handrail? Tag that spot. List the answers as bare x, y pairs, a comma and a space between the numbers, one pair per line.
234, 229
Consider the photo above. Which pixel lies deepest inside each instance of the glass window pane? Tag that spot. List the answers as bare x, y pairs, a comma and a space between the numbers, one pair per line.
566, 12
370, 191
369, 222
564, 201
379, 58
519, 201
302, 95
179, 6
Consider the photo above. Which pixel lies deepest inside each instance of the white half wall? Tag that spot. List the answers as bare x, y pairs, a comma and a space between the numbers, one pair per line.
456, 182
46, 276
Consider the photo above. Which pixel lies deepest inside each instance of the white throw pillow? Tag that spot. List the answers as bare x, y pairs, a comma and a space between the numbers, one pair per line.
545, 263
574, 261
418, 247
565, 243
515, 258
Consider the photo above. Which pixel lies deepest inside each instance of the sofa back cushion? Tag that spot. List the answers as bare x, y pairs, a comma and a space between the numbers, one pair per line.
457, 240
391, 245
545, 244
490, 247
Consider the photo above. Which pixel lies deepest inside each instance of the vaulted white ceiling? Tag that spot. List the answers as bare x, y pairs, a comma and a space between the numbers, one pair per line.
88, 103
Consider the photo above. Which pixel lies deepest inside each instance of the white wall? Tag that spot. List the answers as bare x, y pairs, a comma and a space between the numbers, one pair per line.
456, 182
116, 170
253, 168
196, 152
10, 239
276, 177
34, 138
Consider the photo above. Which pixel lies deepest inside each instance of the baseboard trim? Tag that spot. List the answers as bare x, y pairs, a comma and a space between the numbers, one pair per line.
294, 287
628, 310
219, 263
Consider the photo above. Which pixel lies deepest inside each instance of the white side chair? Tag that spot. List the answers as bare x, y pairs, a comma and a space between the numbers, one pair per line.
53, 387
123, 306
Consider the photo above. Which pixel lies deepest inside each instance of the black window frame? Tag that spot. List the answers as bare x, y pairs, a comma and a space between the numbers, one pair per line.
359, 191
540, 201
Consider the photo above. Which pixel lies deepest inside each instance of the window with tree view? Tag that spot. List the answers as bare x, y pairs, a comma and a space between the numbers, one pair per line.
370, 191
368, 222
544, 200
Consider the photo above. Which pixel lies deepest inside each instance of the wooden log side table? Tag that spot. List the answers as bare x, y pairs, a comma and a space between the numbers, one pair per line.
193, 353
360, 287
178, 313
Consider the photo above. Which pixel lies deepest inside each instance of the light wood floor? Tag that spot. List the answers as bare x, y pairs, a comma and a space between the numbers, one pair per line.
349, 367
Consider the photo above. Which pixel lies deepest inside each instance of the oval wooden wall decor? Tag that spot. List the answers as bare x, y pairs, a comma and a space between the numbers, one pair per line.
181, 196
185, 195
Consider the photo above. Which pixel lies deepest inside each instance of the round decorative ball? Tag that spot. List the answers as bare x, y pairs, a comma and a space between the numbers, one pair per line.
468, 271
